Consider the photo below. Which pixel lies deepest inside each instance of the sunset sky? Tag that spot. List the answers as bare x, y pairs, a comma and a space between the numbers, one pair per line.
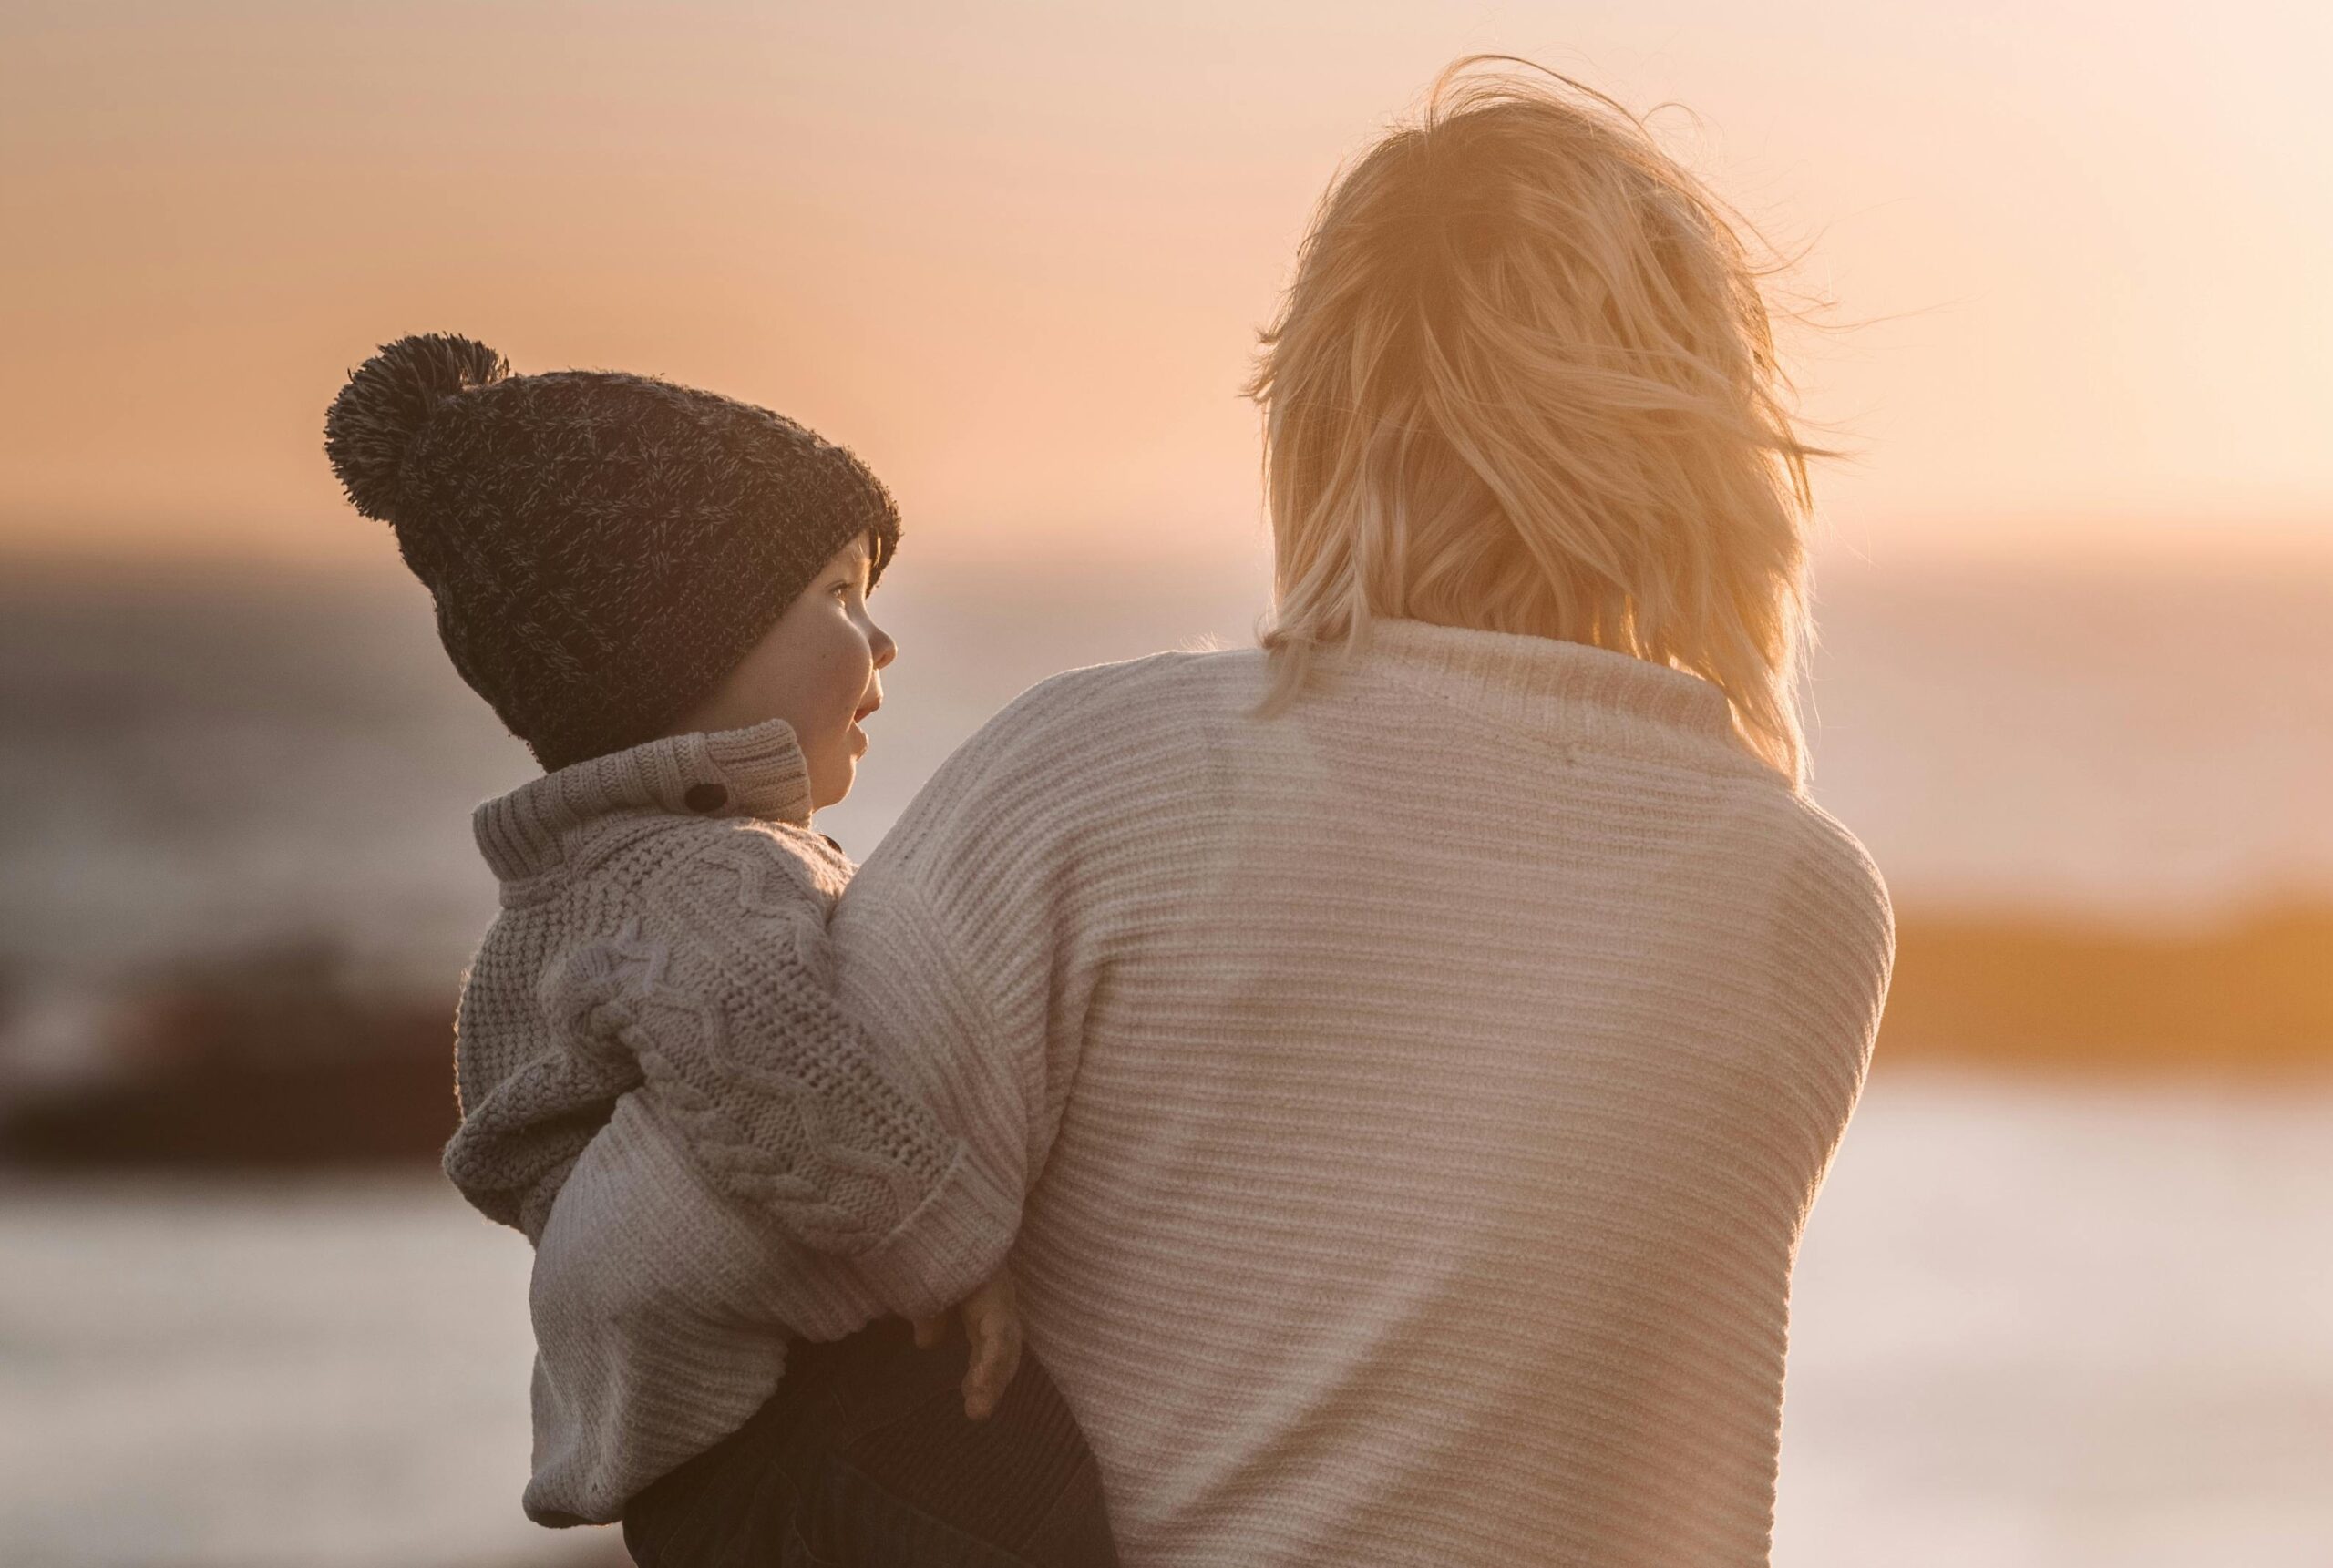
1016, 254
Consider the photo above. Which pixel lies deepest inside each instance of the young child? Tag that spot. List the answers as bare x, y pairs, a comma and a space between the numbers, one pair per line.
662, 592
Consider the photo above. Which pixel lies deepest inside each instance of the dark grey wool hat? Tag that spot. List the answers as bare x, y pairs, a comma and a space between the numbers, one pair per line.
602, 548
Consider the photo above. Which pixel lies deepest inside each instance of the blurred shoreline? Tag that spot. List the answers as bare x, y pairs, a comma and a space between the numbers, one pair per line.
291, 1056
2249, 997
237, 883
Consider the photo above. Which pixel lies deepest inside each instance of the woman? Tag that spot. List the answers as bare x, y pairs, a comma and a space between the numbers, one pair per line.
1420, 1039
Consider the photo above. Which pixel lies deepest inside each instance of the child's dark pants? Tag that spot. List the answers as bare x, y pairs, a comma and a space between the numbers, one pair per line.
863, 1459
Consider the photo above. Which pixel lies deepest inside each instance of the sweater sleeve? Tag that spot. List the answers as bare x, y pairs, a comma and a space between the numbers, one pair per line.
718, 989
972, 941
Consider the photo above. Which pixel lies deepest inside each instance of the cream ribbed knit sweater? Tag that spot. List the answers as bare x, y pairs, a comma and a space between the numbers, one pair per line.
1418, 1096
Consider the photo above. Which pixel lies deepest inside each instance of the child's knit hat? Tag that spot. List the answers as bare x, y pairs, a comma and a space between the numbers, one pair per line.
602, 548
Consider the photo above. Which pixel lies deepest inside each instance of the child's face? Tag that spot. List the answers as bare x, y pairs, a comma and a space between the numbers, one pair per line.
816, 669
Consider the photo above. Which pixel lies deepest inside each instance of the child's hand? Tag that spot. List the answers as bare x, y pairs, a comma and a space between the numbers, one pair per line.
992, 1322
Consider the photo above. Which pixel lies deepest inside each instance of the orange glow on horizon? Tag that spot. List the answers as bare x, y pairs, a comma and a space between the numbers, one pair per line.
1018, 261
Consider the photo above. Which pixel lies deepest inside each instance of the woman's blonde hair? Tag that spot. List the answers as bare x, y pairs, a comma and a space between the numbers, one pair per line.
1525, 381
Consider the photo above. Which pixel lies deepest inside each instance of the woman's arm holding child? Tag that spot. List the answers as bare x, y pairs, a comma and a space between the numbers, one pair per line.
719, 990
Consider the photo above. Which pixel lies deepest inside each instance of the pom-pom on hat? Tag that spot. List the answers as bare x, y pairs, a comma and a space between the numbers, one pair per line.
602, 548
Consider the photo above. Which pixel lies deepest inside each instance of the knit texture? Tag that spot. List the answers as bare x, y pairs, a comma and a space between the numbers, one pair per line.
661, 961
1418, 1096
602, 548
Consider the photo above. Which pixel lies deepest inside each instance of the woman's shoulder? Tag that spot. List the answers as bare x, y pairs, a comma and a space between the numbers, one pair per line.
1833, 884
1108, 744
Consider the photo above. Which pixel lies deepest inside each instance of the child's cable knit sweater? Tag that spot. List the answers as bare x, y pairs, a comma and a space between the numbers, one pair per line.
655, 995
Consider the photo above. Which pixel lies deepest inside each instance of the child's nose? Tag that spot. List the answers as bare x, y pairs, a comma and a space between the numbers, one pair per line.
879, 642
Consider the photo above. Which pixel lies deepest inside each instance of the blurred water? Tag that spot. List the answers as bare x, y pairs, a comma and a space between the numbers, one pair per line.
212, 760
2034, 1326
2059, 1326
198, 1372
2143, 742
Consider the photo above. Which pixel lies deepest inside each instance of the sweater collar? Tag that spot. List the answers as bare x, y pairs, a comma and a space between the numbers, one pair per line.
1567, 692
758, 772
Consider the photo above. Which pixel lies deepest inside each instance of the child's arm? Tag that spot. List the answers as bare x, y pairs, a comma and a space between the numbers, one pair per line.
719, 991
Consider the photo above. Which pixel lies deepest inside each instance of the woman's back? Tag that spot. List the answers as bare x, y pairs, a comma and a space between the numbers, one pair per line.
1419, 1047
1433, 1082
